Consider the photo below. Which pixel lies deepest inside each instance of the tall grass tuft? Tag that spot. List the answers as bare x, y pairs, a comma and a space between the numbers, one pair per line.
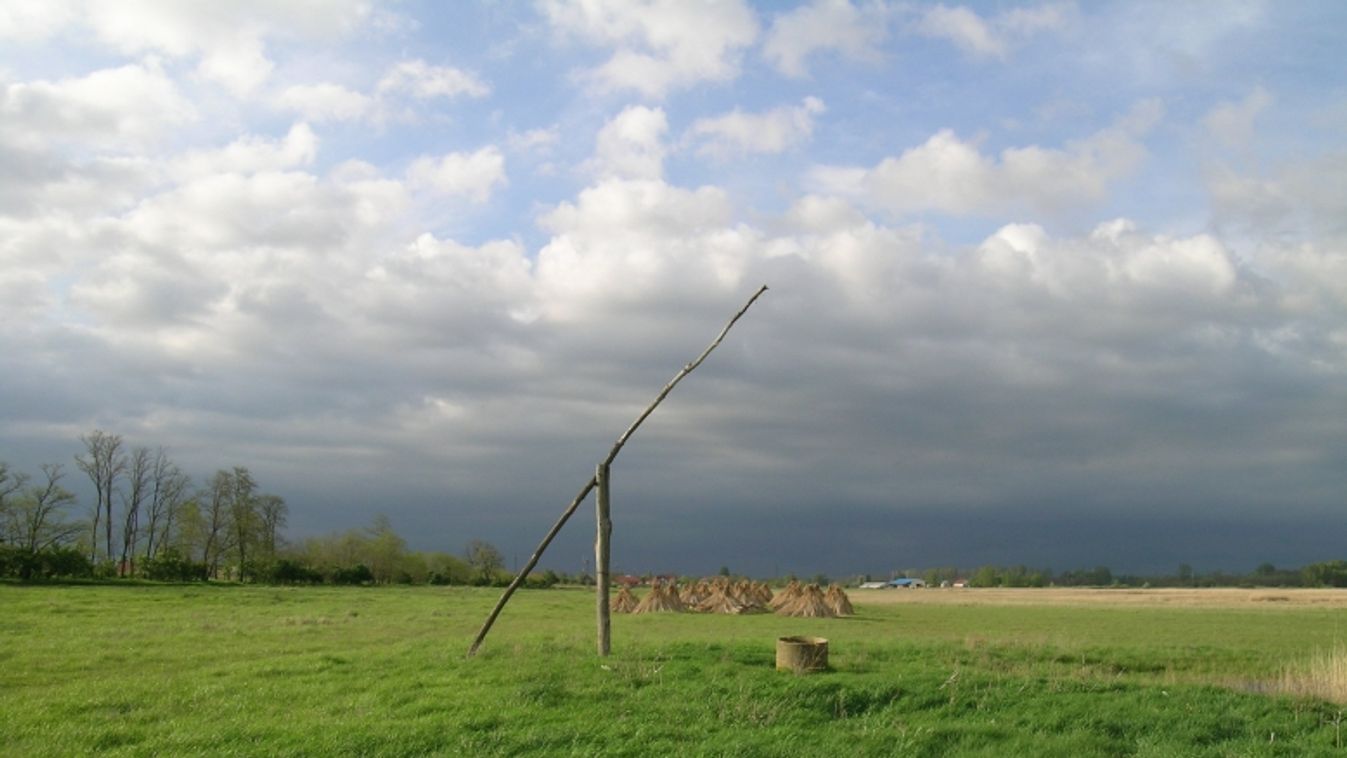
1323, 675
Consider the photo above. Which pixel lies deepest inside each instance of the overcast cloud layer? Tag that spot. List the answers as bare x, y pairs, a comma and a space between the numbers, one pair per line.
1050, 284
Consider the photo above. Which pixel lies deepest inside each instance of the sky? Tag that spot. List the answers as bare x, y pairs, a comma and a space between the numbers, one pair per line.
1057, 284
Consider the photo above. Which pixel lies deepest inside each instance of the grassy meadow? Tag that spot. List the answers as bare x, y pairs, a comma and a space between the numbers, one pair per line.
203, 669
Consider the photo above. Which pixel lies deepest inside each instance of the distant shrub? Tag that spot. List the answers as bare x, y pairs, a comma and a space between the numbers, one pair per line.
172, 566
52, 563
539, 581
65, 562
358, 574
285, 571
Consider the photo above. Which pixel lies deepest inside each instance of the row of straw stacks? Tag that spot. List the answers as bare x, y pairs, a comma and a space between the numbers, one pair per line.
720, 595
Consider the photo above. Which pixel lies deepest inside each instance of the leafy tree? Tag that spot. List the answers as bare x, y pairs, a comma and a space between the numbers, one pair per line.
1326, 574
935, 576
484, 560
1101, 576
986, 576
443, 568
385, 550
189, 537
272, 512
243, 517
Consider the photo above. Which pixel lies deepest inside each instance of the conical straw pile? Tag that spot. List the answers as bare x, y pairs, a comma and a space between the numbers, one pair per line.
662, 598
787, 595
624, 601
762, 594
837, 599
694, 593
720, 601
810, 603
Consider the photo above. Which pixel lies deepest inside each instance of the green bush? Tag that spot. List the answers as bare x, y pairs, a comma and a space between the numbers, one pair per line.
286, 571
52, 563
359, 574
172, 566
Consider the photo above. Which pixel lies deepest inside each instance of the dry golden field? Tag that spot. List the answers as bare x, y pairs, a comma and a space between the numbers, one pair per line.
1158, 598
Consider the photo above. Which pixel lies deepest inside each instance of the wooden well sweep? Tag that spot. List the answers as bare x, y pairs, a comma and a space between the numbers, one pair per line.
801, 655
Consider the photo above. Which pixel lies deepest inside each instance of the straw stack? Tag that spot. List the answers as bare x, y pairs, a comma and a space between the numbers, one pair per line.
719, 602
662, 598
787, 595
624, 601
762, 594
810, 603
694, 593
837, 599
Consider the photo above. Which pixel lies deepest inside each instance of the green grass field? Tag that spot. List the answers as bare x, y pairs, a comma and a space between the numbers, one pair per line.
179, 669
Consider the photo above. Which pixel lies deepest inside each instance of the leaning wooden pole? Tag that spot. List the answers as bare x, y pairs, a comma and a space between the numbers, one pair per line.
593, 481
602, 577
533, 561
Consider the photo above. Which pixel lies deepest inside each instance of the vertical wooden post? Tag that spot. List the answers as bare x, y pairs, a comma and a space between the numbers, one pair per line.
601, 554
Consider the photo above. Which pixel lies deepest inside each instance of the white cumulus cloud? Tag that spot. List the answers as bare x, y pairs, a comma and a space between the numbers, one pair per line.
251, 154
774, 131
631, 144
990, 38
33, 20
469, 175
951, 175
110, 108
824, 25
424, 81
325, 102
658, 45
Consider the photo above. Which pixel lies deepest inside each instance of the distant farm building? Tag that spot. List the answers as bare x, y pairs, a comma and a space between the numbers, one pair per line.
907, 583
874, 585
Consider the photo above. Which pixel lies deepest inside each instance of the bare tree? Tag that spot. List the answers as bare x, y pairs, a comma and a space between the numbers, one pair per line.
215, 527
11, 482
104, 463
167, 493
139, 482
40, 513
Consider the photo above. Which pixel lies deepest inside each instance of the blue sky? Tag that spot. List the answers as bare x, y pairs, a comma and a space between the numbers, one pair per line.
1052, 283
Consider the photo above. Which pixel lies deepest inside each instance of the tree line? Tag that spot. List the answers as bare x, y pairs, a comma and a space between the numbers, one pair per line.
1321, 574
150, 520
